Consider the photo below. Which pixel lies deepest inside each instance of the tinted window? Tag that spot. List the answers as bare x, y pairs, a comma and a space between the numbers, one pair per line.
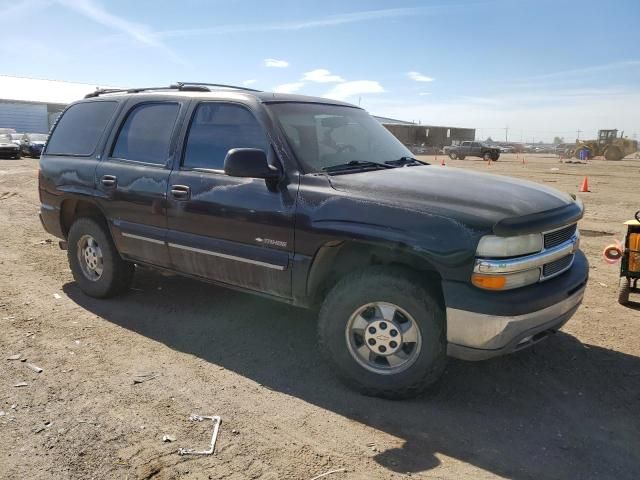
80, 128
325, 135
146, 133
217, 128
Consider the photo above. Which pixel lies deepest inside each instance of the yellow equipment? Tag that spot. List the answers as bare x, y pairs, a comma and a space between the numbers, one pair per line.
608, 145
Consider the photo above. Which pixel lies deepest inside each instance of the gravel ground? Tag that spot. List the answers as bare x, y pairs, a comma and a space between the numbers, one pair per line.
567, 408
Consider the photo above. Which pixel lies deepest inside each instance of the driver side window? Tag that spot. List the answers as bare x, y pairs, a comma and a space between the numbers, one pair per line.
215, 129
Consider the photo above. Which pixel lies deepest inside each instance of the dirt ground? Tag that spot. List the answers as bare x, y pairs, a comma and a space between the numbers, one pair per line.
567, 408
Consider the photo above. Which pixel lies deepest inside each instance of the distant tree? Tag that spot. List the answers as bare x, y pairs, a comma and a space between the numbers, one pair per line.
489, 139
558, 140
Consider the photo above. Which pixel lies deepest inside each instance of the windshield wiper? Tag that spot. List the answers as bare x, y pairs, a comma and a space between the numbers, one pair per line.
404, 161
354, 165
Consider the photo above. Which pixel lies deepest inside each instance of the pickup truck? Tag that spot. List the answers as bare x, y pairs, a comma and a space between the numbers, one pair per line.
472, 149
312, 202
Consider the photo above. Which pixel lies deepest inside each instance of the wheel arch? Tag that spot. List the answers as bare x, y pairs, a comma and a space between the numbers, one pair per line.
73, 208
334, 260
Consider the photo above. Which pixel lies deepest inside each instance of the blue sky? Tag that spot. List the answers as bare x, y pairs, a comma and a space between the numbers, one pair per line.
540, 67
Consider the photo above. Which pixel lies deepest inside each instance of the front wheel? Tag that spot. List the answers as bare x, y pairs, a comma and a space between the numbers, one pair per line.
95, 263
624, 291
613, 154
453, 156
384, 333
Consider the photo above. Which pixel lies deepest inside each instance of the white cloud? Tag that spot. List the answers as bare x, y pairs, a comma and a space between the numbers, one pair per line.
424, 94
329, 21
579, 72
322, 75
94, 11
288, 87
246, 83
418, 77
274, 63
345, 90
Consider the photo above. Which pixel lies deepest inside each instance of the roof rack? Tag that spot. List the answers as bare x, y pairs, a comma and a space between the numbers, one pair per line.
181, 86
220, 85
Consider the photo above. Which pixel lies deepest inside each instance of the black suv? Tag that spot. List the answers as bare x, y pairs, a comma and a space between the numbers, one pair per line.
313, 202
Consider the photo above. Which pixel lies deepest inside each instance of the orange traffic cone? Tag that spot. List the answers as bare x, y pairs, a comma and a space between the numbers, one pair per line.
442, 162
585, 185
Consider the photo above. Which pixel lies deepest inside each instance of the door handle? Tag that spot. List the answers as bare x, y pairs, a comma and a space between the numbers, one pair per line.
109, 180
180, 192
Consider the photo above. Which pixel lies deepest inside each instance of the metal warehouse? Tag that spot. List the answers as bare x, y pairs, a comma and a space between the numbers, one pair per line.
414, 135
31, 105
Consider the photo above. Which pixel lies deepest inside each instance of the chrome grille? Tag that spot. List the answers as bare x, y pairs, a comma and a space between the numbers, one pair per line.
555, 238
557, 266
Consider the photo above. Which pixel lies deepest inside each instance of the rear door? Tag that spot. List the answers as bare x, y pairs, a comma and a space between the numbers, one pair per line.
133, 177
238, 231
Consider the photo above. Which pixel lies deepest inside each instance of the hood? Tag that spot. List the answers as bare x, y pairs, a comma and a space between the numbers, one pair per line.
7, 144
475, 198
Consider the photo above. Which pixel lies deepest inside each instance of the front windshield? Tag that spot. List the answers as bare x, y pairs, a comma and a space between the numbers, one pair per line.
323, 136
38, 137
16, 136
5, 138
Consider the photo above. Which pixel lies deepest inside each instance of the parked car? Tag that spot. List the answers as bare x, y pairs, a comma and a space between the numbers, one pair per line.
314, 203
506, 149
472, 149
8, 149
32, 144
16, 138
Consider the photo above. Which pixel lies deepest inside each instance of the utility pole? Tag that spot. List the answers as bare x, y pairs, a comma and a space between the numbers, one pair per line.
578, 132
506, 133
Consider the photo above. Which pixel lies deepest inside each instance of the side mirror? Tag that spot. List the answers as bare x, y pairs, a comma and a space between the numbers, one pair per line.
249, 162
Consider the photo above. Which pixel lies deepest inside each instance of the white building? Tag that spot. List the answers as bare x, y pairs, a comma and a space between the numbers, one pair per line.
31, 105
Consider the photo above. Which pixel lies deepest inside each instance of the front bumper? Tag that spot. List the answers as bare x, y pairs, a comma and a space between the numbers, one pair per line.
483, 324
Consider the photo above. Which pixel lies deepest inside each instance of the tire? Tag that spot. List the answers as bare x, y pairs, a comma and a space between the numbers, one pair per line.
624, 290
461, 157
495, 157
613, 154
365, 291
115, 274
453, 156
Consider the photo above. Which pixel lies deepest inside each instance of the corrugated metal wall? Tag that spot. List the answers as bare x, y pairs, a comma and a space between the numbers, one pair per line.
24, 117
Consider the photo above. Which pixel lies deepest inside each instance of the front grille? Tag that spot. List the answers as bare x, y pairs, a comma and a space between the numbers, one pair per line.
557, 266
555, 238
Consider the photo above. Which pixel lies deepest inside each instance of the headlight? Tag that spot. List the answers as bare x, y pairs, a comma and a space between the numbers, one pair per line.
499, 247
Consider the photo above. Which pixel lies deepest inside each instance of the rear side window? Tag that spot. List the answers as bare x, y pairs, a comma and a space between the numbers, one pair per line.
217, 128
146, 133
80, 128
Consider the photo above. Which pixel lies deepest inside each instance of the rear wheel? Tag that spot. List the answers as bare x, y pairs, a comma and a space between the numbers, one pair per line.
453, 156
623, 292
95, 263
495, 156
613, 154
461, 157
384, 333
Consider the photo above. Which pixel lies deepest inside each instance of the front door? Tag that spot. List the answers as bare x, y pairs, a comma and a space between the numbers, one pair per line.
133, 178
238, 231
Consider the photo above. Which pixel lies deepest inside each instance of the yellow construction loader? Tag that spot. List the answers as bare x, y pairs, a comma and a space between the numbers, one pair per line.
608, 145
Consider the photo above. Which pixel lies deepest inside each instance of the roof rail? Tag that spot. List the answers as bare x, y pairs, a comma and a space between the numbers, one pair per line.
221, 85
182, 86
104, 91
